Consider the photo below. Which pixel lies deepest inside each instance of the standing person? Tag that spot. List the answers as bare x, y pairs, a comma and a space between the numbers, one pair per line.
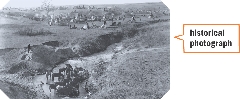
68, 75
124, 17
104, 24
87, 25
133, 18
86, 88
104, 17
112, 19
93, 18
29, 47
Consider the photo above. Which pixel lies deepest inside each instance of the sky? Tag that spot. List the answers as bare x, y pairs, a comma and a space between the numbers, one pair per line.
37, 3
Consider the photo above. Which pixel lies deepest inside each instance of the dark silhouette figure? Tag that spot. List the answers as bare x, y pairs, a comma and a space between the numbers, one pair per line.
104, 22
86, 88
124, 17
48, 73
112, 19
29, 47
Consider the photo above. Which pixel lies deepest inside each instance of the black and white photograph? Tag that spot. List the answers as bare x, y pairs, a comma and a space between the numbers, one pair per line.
93, 49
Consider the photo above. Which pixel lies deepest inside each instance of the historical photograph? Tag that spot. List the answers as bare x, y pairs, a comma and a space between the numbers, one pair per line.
55, 49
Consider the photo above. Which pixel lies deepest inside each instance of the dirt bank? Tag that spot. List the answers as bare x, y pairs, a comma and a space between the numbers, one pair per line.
18, 87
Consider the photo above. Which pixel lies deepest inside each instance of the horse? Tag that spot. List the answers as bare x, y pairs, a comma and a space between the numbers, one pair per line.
52, 86
56, 75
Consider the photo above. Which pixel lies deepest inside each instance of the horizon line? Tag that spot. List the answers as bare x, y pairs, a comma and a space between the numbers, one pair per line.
84, 4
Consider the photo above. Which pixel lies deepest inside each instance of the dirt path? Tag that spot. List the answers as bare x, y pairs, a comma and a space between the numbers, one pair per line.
37, 81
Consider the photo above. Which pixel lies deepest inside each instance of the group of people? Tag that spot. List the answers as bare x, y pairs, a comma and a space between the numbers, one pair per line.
71, 81
104, 25
86, 26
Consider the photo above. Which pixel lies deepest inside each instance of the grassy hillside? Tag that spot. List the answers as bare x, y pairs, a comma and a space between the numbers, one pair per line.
139, 71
